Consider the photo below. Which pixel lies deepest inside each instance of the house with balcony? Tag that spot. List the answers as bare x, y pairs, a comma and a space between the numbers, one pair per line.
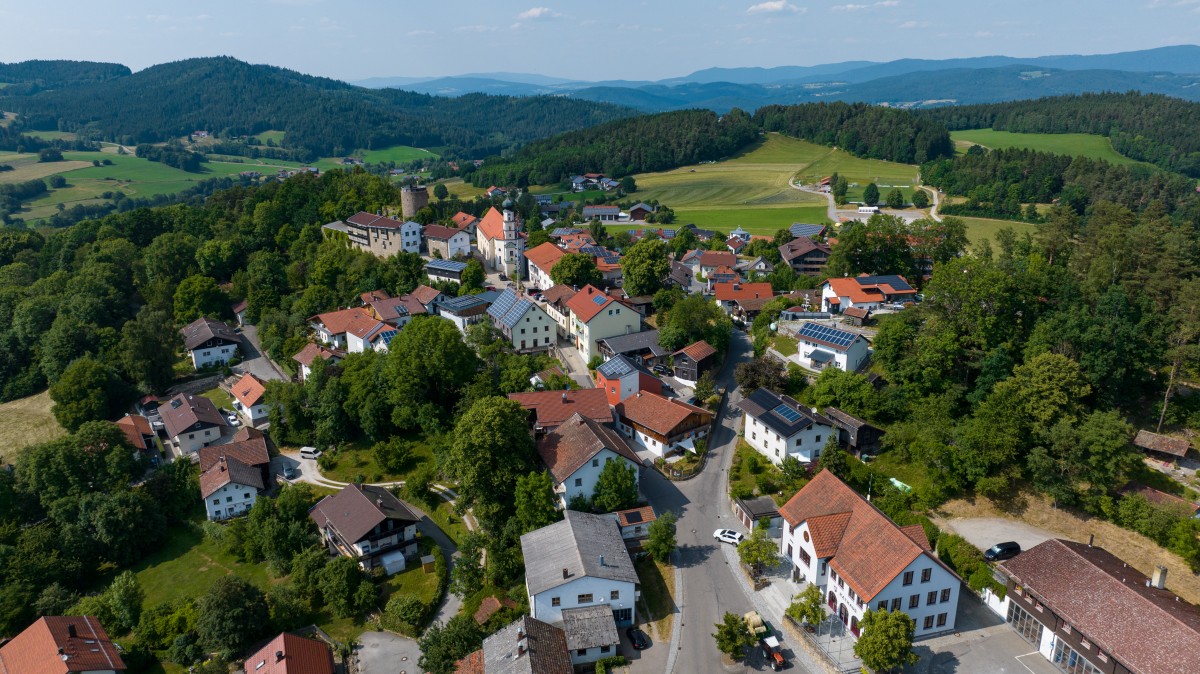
805, 256
369, 525
352, 330
541, 260
866, 292
861, 559
577, 451
550, 409
229, 488
191, 422
210, 342
250, 399
778, 426
663, 426
819, 346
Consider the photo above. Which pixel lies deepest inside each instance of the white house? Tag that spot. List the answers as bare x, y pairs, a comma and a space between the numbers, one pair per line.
499, 241
310, 353
596, 316
249, 399
555, 303
367, 524
591, 633
210, 342
862, 560
523, 323
354, 330
866, 292
778, 426
191, 422
662, 425
577, 451
541, 260
580, 561
447, 242
229, 488
820, 346
467, 310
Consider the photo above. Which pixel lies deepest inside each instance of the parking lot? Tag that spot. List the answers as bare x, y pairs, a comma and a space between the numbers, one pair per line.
982, 642
984, 532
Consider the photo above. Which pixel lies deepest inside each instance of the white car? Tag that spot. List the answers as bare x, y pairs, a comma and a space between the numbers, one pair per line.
728, 536
233, 420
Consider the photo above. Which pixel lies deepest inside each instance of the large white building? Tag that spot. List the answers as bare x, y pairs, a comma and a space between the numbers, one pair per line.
577, 451
541, 261
820, 346
580, 561
863, 561
596, 316
778, 426
525, 325
499, 241
865, 292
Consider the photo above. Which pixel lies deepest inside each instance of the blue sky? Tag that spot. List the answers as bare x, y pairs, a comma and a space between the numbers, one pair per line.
610, 39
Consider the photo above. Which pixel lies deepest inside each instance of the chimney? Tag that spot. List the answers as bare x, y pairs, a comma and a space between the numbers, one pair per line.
1091, 539
601, 560
379, 501
71, 630
566, 574
278, 656
520, 632
1160, 577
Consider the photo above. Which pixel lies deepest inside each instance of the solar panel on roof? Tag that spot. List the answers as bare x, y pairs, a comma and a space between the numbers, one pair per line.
599, 299
633, 517
788, 413
839, 338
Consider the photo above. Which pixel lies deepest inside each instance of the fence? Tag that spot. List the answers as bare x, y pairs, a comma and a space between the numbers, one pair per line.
830, 639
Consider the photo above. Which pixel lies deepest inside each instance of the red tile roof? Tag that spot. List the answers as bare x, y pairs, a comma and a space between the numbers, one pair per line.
490, 606
300, 656
463, 219
587, 303
717, 258
557, 293
228, 470
1161, 443
732, 292
250, 449
866, 547
374, 296
425, 294
1148, 630
659, 414
555, 407
544, 256
36, 649
735, 242
311, 351
135, 426
440, 233
472, 664
698, 351
864, 292
1161, 498
248, 390
492, 224
633, 516
575, 442
355, 321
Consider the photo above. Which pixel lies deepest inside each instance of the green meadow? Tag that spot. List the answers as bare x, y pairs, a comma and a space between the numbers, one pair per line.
1074, 144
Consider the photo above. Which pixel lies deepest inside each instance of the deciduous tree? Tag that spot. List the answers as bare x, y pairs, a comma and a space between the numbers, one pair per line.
444, 645
886, 641
733, 636
576, 269
616, 488
660, 542
88, 390
535, 500
490, 450
644, 266
231, 615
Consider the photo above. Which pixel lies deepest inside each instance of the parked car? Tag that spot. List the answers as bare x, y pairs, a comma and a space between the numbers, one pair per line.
310, 453
1002, 551
233, 419
289, 472
637, 639
728, 536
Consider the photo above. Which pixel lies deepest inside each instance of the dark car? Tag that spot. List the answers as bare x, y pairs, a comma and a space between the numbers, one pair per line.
1002, 551
637, 639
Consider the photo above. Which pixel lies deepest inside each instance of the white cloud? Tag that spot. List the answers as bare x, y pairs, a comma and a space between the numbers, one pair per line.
858, 8
772, 7
909, 25
475, 28
537, 13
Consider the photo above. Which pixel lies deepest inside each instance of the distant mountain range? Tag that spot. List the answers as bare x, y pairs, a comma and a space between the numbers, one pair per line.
1173, 71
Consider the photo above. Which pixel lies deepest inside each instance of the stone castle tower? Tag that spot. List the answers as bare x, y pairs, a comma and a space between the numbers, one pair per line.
412, 199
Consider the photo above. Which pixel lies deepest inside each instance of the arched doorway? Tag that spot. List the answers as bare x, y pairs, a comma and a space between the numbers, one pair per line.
832, 600
854, 625
843, 614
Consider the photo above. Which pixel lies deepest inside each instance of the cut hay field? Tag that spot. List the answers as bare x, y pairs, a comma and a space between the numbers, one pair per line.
273, 136
27, 167
1074, 144
401, 154
25, 422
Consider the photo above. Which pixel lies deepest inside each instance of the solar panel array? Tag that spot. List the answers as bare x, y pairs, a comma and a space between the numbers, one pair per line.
788, 413
446, 265
594, 251
894, 281
824, 333
565, 231
509, 308
611, 259
617, 366
387, 336
600, 299
802, 229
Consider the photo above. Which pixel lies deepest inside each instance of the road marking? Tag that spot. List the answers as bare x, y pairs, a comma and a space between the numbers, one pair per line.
1018, 659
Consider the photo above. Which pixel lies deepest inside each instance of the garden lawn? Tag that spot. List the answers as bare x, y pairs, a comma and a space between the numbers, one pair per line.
784, 345
188, 564
450, 522
740, 473
1089, 145
219, 397
24, 422
356, 463
657, 604
889, 464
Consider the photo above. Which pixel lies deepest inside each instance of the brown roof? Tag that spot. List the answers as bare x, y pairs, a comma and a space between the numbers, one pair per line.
735, 242
557, 293
555, 407
186, 411
309, 353
36, 649
240, 307
299, 656
229, 471
355, 321
472, 664
659, 414
1161, 498
357, 509
843, 420
250, 449
588, 302
545, 649
729, 292
800, 246
544, 256
490, 606
136, 427
634, 516
439, 232
866, 547
698, 351
1161, 443
575, 442
716, 258
425, 294
202, 329
365, 219
1148, 630
857, 312
248, 390
550, 372
374, 296
395, 308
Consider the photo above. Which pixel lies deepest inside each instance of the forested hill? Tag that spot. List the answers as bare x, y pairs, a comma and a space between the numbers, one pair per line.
30, 76
672, 139
1162, 130
322, 116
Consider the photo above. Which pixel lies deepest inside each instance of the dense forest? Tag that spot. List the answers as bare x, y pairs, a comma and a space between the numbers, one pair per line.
672, 139
860, 129
997, 183
1162, 130
31, 76
320, 116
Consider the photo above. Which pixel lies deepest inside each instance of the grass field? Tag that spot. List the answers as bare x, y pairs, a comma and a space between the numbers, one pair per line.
401, 154
27, 167
274, 136
460, 189
984, 229
355, 461
51, 135
219, 397
1074, 144
658, 598
188, 564
25, 422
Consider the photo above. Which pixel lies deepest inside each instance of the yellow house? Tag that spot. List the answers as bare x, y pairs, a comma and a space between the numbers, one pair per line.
596, 316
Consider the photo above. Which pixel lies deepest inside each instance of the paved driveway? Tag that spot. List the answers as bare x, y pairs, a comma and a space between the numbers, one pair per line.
984, 532
256, 362
387, 653
983, 642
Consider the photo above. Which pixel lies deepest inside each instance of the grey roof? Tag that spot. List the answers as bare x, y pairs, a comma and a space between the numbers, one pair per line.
619, 366
337, 226
897, 283
203, 329
843, 420
446, 265
509, 307
527, 646
589, 627
759, 506
637, 341
574, 548
802, 229
820, 356
565, 231
780, 413
465, 302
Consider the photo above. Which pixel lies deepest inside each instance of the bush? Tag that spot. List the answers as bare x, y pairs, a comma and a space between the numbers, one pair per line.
741, 491
606, 665
766, 484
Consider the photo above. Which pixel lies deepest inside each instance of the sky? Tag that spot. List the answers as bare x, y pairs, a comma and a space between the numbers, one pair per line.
613, 39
